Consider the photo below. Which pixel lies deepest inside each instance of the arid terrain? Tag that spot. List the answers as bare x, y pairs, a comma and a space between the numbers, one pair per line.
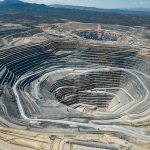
74, 86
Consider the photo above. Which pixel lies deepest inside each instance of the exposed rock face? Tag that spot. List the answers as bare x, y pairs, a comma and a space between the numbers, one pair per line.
85, 94
11, 139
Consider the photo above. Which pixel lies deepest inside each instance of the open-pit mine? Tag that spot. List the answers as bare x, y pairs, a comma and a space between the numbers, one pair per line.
74, 86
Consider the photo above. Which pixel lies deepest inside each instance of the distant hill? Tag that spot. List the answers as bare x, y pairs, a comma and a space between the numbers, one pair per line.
84, 8
140, 11
17, 11
11, 2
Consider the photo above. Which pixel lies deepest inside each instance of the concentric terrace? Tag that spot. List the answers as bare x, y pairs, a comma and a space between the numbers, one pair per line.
76, 84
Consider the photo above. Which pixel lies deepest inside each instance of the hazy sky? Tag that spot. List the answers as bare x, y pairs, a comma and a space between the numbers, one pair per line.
98, 3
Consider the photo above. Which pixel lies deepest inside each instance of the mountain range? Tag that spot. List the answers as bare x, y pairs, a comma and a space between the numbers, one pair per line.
18, 11
121, 10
